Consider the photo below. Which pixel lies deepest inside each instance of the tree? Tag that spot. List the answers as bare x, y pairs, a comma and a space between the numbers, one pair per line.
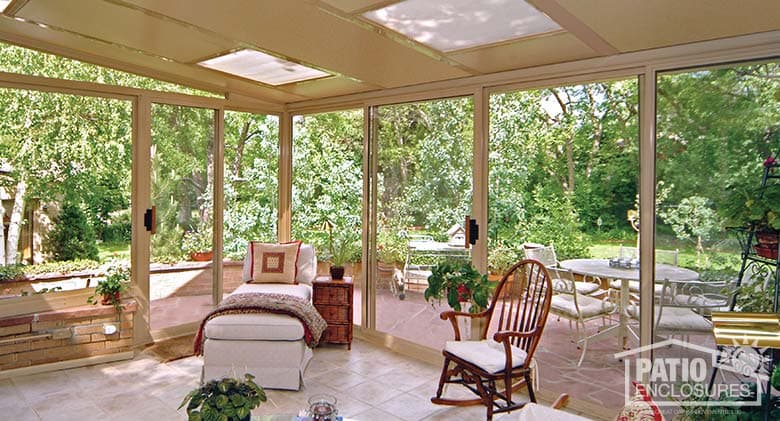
72, 237
692, 219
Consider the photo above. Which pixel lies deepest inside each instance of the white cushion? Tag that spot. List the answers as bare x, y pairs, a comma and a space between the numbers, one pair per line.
248, 327
564, 304
683, 319
307, 264
299, 290
262, 326
633, 286
487, 355
564, 285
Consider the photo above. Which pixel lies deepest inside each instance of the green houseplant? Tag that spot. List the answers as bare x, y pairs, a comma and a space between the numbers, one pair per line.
227, 399
458, 282
109, 289
758, 209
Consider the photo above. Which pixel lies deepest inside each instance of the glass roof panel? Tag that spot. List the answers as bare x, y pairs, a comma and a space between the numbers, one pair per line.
4, 4
449, 25
262, 67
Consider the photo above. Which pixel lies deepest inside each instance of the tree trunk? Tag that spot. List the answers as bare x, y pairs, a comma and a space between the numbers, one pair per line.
14, 228
240, 150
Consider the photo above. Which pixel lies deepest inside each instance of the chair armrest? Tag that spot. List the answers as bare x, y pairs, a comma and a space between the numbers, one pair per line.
503, 335
453, 317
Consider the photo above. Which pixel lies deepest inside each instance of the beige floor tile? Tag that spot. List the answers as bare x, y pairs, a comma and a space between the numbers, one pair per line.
377, 414
409, 407
373, 392
18, 412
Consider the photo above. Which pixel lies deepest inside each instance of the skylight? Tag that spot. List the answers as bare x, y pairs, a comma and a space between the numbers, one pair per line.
4, 4
261, 67
449, 25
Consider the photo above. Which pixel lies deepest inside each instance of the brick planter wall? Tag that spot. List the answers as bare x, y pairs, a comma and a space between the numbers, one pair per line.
76, 332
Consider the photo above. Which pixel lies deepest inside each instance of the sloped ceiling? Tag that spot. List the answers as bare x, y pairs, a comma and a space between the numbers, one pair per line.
166, 39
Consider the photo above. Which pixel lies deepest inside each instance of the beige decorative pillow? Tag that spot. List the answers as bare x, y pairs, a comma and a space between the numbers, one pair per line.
273, 263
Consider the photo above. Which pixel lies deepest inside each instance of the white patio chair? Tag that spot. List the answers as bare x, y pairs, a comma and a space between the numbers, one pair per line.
546, 255
576, 307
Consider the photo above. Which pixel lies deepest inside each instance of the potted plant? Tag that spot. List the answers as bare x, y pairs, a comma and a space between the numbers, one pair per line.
198, 244
758, 209
342, 249
109, 289
226, 399
459, 282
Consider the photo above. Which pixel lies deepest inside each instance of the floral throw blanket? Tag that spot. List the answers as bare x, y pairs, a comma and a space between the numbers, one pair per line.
252, 303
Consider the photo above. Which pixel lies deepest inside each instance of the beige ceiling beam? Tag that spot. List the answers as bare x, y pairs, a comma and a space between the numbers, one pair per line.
575, 26
749, 47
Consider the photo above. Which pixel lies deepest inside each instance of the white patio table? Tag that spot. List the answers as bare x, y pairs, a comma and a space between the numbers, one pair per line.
600, 268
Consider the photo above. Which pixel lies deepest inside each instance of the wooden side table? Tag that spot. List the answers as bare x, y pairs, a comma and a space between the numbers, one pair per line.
333, 300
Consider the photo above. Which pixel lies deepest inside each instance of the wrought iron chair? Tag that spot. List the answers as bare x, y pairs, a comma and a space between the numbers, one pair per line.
546, 255
517, 315
575, 307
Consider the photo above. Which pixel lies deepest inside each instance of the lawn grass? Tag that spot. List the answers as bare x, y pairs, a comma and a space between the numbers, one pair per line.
113, 251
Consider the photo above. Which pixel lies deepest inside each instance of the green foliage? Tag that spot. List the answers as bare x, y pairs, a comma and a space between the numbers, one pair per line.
392, 247
197, 241
118, 227
68, 266
756, 297
12, 272
227, 399
72, 237
555, 221
459, 281
344, 247
744, 207
502, 256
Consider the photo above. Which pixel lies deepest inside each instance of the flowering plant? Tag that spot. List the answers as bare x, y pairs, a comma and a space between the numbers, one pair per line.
459, 282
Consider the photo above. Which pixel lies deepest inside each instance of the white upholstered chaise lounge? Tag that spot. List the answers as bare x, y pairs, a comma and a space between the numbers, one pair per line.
269, 346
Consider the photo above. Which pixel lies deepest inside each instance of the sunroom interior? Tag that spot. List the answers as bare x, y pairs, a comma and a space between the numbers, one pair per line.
282, 70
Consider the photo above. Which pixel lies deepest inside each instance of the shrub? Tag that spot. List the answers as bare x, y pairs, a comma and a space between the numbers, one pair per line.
72, 237
12, 272
555, 221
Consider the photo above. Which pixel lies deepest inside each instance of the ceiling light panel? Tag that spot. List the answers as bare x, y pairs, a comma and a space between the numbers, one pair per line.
262, 67
449, 25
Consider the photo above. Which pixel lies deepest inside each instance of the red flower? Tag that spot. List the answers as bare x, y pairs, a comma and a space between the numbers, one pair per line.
769, 161
464, 293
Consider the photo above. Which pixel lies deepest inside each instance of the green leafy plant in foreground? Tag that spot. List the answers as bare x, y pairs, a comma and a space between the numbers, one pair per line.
226, 399
117, 280
459, 282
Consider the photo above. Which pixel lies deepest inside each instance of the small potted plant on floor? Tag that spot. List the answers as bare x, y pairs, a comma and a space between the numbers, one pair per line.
226, 399
459, 282
109, 289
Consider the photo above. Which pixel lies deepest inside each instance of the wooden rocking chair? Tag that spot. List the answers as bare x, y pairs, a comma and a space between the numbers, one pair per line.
517, 314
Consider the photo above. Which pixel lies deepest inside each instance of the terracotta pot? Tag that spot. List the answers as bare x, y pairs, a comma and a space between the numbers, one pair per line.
109, 299
337, 272
767, 237
767, 251
201, 256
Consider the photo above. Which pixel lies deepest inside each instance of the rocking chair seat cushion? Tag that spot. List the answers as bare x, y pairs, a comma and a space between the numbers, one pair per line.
487, 355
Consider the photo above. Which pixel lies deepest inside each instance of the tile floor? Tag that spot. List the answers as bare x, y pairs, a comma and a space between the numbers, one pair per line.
369, 382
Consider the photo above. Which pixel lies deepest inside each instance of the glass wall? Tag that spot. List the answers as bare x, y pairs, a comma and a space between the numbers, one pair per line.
718, 135
327, 191
251, 188
424, 190
563, 174
65, 164
182, 186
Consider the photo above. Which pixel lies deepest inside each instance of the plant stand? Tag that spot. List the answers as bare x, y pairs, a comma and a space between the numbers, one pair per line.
758, 260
